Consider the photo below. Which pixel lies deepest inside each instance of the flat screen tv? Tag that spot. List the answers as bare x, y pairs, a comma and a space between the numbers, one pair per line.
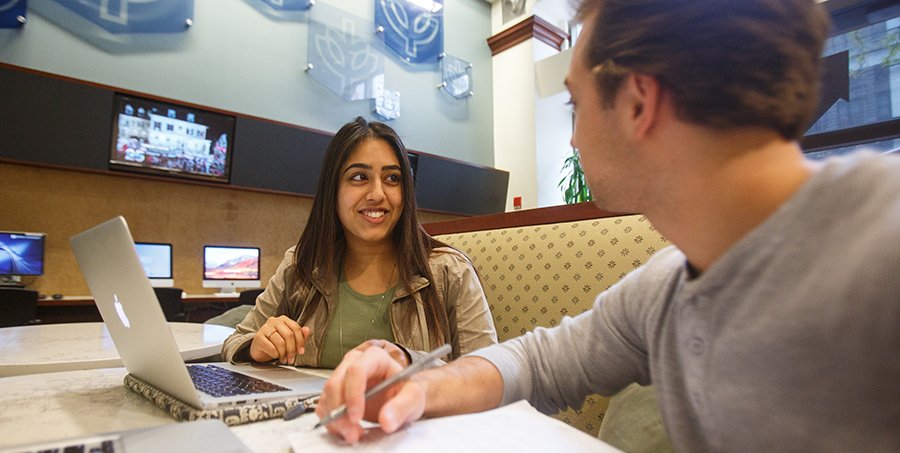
157, 261
229, 267
21, 254
157, 137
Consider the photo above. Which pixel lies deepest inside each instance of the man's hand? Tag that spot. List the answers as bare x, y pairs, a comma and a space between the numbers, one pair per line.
279, 338
469, 384
362, 368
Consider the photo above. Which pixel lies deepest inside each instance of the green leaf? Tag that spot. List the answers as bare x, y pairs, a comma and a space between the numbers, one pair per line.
573, 184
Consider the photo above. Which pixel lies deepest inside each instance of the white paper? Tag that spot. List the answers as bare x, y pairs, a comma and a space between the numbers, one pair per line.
516, 427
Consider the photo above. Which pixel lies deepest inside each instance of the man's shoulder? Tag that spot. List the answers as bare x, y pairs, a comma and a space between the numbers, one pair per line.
664, 265
863, 170
650, 284
863, 189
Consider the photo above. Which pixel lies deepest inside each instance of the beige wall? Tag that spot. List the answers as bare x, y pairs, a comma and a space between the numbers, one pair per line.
514, 116
531, 133
62, 203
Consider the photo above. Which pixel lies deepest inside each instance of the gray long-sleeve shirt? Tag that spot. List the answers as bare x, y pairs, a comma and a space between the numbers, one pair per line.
789, 342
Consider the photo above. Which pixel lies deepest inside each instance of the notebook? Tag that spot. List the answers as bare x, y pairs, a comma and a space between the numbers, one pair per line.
206, 435
128, 305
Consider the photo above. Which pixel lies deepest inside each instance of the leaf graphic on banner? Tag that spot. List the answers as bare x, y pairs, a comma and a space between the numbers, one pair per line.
345, 63
414, 33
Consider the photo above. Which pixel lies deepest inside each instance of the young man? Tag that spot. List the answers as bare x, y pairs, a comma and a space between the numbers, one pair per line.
774, 321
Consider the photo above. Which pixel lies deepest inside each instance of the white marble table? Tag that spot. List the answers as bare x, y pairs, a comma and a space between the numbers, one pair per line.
53, 406
46, 407
78, 346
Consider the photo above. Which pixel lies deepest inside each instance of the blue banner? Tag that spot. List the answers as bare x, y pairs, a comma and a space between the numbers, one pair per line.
12, 13
134, 16
344, 54
289, 5
413, 29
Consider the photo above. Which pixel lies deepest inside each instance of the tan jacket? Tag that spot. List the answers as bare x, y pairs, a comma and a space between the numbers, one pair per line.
470, 323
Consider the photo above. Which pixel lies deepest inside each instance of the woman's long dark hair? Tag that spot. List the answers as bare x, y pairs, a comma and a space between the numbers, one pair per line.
319, 244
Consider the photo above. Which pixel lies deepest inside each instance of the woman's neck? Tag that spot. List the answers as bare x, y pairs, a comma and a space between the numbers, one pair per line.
370, 270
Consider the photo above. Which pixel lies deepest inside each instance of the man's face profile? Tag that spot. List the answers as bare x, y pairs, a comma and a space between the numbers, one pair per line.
596, 133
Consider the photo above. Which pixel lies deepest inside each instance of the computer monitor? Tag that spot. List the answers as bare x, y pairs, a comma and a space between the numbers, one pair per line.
21, 254
230, 267
157, 261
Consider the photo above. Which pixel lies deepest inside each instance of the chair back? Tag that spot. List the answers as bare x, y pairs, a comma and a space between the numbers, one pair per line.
232, 317
248, 297
170, 301
536, 275
18, 306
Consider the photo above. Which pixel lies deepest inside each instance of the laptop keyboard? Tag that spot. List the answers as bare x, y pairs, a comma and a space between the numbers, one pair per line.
217, 381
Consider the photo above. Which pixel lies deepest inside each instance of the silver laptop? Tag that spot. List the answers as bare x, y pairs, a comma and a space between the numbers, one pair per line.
189, 437
128, 305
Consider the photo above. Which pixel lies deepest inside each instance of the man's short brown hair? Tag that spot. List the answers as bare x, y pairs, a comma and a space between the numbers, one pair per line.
728, 63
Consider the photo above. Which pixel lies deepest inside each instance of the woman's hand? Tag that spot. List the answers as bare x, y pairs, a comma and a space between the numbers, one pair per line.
279, 338
396, 352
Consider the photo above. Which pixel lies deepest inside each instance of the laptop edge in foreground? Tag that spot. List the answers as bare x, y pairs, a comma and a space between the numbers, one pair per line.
128, 305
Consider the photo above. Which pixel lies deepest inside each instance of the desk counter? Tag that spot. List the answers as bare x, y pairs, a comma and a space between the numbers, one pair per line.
79, 301
78, 346
69, 309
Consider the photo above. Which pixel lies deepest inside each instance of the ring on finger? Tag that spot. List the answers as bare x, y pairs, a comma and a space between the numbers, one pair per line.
269, 336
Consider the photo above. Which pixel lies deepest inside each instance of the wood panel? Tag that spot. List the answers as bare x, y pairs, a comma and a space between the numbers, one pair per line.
61, 203
57, 121
527, 217
531, 27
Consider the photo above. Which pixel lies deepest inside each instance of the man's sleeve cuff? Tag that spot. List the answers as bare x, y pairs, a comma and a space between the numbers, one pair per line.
512, 368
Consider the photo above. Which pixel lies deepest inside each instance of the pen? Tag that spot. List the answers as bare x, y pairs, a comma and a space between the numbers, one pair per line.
302, 407
401, 376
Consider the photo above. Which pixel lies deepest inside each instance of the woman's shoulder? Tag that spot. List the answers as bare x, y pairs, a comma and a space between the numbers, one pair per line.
448, 258
287, 261
286, 269
448, 253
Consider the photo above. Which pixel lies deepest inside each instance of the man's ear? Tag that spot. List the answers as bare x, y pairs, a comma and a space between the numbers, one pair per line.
643, 97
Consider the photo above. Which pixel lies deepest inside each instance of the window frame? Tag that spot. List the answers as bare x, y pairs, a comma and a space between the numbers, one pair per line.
847, 15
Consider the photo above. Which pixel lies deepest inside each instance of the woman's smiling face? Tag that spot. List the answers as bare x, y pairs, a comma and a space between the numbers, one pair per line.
370, 193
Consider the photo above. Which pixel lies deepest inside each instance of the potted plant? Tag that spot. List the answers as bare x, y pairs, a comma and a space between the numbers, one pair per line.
573, 184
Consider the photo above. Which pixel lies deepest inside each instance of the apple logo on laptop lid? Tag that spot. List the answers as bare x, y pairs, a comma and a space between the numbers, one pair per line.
121, 311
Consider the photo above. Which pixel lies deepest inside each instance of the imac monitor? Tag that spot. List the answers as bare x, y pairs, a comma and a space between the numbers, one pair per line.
163, 138
229, 268
156, 259
21, 254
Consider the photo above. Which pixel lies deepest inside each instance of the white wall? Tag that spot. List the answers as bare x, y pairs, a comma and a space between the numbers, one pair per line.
552, 146
554, 131
497, 24
235, 58
514, 121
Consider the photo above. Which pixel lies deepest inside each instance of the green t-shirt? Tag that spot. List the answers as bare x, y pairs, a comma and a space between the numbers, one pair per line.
357, 318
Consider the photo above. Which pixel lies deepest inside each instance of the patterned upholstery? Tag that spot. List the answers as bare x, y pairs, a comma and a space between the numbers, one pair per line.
535, 275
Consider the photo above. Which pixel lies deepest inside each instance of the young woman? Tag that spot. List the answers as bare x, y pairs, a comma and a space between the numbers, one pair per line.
364, 270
